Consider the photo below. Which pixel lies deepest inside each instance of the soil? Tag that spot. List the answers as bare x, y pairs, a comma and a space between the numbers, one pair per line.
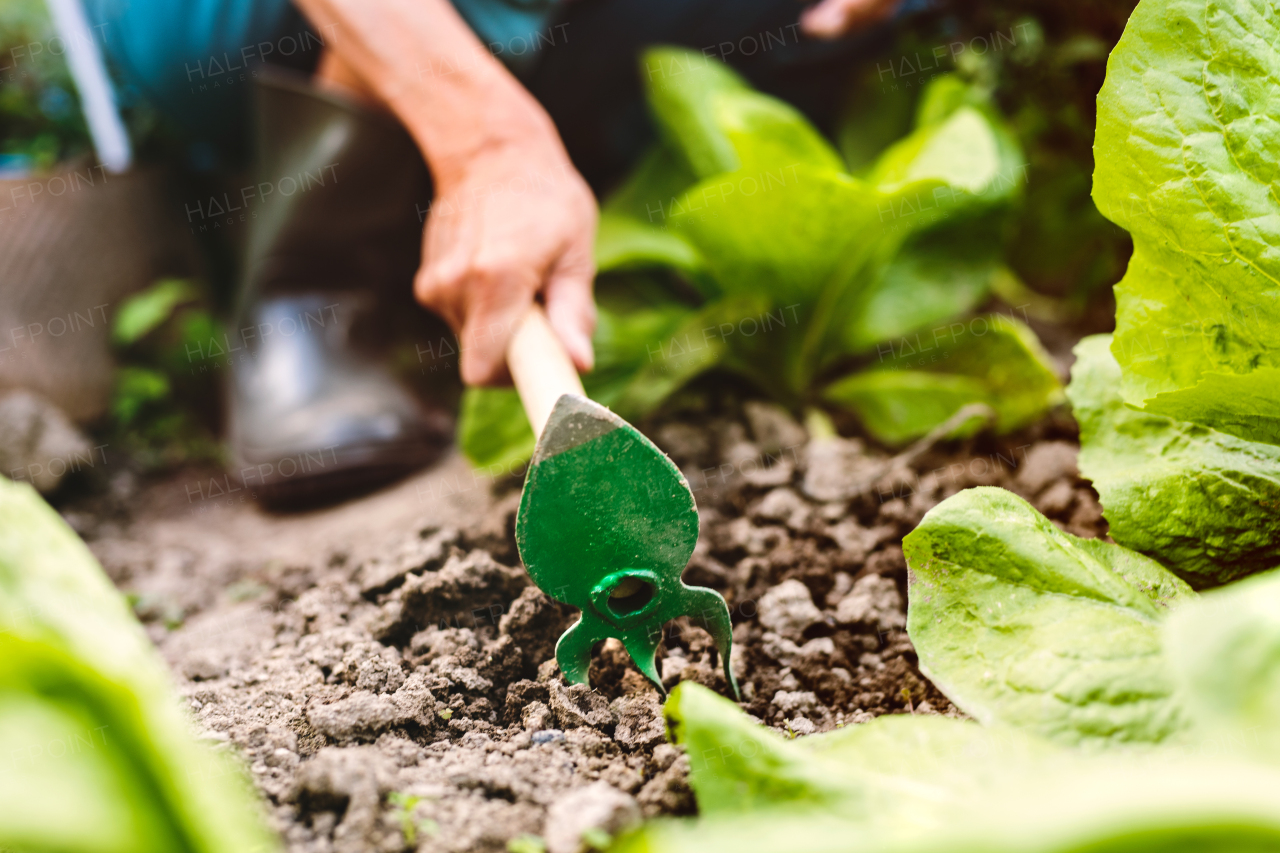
386, 670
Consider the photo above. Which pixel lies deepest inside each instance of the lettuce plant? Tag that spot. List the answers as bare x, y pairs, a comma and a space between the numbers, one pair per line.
1021, 623
1191, 683
742, 242
1204, 503
911, 784
1186, 159
1179, 431
99, 757
1084, 642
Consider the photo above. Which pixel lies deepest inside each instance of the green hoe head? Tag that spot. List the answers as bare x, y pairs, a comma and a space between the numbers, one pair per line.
607, 524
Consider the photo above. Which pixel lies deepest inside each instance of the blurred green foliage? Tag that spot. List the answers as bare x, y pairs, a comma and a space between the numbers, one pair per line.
41, 124
40, 119
1046, 83
164, 403
99, 755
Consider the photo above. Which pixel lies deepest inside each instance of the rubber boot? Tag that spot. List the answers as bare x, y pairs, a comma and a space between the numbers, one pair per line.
336, 225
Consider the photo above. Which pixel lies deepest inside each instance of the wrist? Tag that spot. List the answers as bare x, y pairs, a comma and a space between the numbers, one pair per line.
486, 122
498, 156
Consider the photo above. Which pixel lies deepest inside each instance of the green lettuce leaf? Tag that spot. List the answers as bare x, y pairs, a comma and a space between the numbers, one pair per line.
737, 765
718, 123
959, 151
71, 736
1021, 623
919, 784
493, 431
1068, 805
1185, 153
899, 407
959, 144
879, 773
1247, 406
633, 229
939, 273
922, 380
106, 759
784, 235
1224, 651
1204, 503
623, 243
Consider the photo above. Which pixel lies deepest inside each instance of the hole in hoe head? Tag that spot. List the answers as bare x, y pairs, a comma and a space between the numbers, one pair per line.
630, 596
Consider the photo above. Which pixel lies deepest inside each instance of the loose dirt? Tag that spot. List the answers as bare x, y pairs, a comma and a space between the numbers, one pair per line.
386, 672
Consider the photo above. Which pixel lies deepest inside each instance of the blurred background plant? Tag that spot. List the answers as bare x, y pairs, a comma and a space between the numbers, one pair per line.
41, 124
165, 404
164, 407
40, 120
1046, 84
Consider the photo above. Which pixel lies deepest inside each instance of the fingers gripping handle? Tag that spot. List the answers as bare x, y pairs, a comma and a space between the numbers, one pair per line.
540, 367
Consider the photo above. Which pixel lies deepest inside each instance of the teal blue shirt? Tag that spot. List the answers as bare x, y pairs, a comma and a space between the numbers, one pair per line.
514, 31
196, 58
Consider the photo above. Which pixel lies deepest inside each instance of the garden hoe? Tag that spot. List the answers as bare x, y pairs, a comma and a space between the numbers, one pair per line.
607, 522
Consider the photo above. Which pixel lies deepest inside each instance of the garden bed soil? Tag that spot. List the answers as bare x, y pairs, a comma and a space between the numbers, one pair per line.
386, 670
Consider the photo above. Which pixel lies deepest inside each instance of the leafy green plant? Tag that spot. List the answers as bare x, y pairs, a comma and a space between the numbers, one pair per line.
1176, 411
1179, 430
1021, 624
1084, 642
403, 808
1186, 161
743, 243
1045, 70
101, 758
1204, 503
911, 784
40, 119
161, 404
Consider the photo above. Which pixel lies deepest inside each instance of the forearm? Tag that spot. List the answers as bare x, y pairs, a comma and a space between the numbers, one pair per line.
423, 62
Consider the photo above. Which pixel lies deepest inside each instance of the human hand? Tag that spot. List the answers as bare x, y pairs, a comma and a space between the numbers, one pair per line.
512, 223
831, 19
512, 219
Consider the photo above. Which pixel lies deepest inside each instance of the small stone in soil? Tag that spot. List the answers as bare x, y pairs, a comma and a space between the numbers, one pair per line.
788, 610
548, 736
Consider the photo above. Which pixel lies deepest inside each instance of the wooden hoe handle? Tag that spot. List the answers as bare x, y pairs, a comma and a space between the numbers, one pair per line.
540, 367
